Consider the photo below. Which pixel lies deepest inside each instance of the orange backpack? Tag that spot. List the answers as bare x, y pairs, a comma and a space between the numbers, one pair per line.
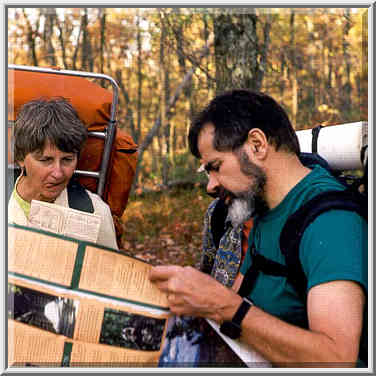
93, 105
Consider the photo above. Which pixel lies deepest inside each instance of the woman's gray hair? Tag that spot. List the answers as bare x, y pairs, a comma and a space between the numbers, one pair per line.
54, 120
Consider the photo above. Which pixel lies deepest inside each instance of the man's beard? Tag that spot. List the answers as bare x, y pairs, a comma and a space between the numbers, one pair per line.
245, 204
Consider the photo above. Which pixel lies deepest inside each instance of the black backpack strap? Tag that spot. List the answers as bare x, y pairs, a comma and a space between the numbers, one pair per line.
260, 264
78, 198
315, 136
293, 230
217, 221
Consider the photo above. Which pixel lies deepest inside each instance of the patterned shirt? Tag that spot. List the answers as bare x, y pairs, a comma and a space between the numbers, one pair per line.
222, 263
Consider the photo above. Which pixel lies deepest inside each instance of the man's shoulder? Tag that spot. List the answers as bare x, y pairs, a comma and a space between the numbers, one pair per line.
337, 227
324, 208
318, 182
330, 210
324, 178
326, 193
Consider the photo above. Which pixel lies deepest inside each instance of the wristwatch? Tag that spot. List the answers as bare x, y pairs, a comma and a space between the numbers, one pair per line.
232, 328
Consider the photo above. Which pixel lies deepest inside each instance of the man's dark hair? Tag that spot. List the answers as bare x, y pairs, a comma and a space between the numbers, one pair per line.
234, 113
53, 120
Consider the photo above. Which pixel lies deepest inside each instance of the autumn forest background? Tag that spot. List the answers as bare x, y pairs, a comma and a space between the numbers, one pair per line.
169, 62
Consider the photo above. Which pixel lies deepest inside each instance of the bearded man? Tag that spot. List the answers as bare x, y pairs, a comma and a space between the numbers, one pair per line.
251, 153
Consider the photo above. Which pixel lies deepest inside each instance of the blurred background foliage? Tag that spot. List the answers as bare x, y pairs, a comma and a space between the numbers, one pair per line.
170, 61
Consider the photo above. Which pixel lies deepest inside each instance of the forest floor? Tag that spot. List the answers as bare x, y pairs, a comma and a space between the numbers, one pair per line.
166, 227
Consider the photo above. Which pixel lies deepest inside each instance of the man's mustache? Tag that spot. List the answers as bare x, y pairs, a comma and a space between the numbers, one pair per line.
223, 194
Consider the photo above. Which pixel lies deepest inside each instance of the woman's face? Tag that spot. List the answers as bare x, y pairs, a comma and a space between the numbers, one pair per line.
48, 173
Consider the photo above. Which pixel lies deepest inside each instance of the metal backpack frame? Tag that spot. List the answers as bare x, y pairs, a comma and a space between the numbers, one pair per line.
108, 135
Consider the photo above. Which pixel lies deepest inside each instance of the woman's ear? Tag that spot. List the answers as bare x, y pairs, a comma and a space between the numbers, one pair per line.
258, 143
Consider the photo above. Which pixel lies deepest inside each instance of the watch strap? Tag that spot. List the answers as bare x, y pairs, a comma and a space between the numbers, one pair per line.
232, 328
244, 307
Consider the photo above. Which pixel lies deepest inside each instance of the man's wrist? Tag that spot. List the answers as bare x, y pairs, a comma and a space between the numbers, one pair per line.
232, 328
227, 312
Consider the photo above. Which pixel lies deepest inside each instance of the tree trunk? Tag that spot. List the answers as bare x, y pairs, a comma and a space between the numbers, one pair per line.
240, 59
283, 79
102, 17
75, 54
294, 81
139, 79
346, 90
179, 37
62, 43
50, 16
209, 81
164, 77
87, 62
31, 38
262, 67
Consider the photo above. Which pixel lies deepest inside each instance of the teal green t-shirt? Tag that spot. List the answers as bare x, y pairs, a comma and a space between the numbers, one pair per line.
334, 247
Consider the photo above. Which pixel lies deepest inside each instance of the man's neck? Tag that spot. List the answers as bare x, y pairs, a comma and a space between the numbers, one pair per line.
284, 172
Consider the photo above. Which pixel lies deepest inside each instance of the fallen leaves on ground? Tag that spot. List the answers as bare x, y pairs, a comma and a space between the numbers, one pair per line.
166, 228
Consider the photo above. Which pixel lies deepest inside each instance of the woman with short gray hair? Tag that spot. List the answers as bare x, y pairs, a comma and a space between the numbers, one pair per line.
48, 138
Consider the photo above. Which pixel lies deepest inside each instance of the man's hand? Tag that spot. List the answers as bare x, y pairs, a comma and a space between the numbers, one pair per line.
191, 292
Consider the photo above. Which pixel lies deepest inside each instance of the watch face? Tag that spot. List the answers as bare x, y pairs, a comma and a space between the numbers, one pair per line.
230, 329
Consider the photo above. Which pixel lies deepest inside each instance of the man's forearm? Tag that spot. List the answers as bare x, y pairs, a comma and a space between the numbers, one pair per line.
287, 345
